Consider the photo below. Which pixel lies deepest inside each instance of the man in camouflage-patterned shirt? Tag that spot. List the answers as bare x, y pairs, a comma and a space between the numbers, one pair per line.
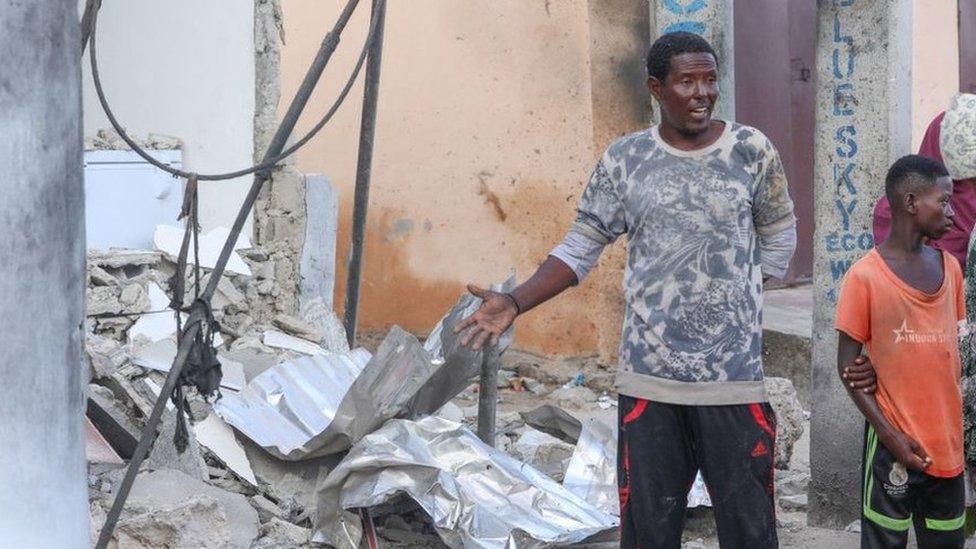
705, 208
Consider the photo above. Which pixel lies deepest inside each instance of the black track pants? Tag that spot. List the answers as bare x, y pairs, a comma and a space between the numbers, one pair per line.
894, 499
661, 448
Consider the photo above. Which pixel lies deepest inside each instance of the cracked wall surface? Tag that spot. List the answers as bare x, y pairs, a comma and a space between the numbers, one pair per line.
279, 214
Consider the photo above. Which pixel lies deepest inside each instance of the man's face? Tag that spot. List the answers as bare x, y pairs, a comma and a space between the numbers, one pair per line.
933, 213
689, 92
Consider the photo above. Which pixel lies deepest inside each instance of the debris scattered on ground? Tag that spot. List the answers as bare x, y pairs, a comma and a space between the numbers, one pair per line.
257, 445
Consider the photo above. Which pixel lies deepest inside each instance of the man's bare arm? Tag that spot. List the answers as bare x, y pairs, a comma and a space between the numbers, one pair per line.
905, 449
499, 310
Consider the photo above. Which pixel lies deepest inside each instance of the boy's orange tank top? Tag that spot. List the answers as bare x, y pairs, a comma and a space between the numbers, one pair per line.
913, 340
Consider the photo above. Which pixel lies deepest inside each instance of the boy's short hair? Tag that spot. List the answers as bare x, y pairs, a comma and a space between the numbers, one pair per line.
671, 44
910, 174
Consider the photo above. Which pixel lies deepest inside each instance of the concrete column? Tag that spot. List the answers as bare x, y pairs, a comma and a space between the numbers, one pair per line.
863, 124
318, 260
711, 19
43, 488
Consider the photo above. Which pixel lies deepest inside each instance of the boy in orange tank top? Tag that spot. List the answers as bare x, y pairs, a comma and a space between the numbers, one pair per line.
903, 301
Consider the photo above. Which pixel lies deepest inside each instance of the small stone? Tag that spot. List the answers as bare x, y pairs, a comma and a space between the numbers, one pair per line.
297, 327
101, 277
534, 386
276, 534
793, 503
854, 527
505, 378
573, 397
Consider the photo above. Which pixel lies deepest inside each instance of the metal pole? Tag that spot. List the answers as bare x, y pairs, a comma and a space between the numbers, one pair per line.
328, 46
363, 171
488, 396
43, 488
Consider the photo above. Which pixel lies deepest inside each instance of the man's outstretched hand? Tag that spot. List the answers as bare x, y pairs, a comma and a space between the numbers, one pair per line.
490, 321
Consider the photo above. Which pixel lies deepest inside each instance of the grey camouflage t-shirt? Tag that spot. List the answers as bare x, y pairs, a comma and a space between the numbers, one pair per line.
692, 329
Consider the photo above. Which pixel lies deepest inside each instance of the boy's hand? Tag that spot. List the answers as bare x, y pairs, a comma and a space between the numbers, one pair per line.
860, 376
907, 451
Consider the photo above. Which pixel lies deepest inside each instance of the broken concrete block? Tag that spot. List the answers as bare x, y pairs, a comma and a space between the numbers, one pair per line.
793, 503
102, 300
164, 456
155, 326
297, 327
792, 483
101, 277
276, 534
134, 298
292, 483
324, 319
280, 340
544, 452
105, 355
167, 508
789, 417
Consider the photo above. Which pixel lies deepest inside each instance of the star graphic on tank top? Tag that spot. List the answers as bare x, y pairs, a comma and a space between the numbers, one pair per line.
902, 333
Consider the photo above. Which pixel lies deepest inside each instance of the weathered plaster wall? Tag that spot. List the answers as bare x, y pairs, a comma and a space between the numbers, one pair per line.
186, 69
491, 116
935, 62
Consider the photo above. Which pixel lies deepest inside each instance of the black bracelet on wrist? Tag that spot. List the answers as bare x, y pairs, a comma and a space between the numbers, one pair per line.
518, 308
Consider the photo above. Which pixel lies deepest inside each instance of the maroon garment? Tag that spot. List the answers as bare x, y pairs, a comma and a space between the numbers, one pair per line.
963, 202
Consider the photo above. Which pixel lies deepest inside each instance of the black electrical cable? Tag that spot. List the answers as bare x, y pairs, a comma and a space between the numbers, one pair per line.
264, 166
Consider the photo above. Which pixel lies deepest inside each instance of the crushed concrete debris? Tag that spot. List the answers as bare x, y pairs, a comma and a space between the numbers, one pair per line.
278, 534
170, 509
789, 417
109, 140
164, 455
105, 355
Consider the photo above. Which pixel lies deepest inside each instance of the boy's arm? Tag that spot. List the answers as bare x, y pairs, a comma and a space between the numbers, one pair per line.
906, 450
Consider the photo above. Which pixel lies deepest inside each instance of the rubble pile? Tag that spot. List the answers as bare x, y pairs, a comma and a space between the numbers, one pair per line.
303, 418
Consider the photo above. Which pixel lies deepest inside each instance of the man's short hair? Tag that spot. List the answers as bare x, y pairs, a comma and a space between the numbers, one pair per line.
671, 44
912, 173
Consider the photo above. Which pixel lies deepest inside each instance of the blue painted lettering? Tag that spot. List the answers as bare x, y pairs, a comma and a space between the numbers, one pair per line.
676, 7
843, 99
845, 213
845, 136
842, 176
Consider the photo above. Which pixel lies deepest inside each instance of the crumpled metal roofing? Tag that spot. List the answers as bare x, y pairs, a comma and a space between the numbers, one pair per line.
592, 470
476, 496
285, 407
328, 404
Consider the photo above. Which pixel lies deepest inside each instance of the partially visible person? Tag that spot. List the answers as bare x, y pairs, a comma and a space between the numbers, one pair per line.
955, 131
903, 301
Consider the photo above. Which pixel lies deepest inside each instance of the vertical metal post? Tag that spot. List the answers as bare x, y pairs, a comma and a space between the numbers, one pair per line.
488, 396
363, 171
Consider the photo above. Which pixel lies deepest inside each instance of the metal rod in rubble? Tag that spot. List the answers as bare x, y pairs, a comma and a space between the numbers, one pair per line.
363, 172
488, 396
328, 46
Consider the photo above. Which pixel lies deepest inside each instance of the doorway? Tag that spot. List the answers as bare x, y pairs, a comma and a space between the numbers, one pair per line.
775, 57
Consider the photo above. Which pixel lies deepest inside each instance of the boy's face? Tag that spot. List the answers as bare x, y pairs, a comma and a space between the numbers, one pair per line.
933, 213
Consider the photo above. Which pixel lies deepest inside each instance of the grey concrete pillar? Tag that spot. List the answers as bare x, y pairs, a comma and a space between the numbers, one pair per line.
317, 266
711, 19
43, 488
863, 124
